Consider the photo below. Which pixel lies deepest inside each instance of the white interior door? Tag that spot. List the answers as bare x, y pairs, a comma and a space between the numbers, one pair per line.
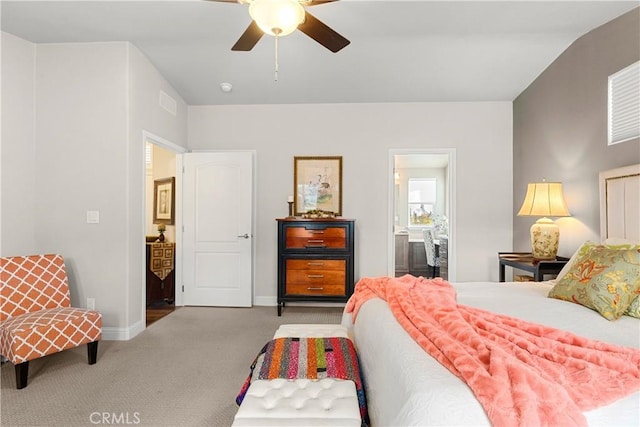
217, 235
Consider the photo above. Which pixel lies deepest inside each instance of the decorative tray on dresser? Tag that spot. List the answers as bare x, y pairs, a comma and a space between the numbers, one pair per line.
315, 260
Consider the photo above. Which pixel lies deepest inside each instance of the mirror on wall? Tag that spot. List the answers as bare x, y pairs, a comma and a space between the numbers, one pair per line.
421, 201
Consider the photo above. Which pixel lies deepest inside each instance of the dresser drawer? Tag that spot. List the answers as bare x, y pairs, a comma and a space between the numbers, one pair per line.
318, 289
316, 277
316, 264
322, 238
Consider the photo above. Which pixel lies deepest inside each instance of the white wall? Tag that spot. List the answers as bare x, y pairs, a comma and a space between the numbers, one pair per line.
74, 144
145, 114
17, 161
363, 135
92, 102
81, 165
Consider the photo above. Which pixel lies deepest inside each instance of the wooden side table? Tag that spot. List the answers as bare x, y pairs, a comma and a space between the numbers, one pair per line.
525, 261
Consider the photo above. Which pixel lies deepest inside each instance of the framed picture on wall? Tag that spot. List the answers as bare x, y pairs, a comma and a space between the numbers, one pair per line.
317, 184
164, 201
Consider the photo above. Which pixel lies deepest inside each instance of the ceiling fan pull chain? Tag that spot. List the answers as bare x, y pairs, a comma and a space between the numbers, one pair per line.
276, 58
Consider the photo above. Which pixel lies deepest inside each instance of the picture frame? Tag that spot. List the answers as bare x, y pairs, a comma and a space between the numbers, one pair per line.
164, 201
317, 184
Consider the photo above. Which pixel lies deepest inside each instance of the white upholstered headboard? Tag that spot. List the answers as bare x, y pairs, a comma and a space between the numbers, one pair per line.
620, 203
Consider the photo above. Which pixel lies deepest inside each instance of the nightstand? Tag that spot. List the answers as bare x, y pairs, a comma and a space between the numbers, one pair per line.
524, 261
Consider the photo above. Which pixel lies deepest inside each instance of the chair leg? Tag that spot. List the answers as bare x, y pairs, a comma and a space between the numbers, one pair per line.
22, 372
92, 352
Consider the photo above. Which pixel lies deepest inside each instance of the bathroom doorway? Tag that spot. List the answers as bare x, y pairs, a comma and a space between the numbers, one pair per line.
421, 195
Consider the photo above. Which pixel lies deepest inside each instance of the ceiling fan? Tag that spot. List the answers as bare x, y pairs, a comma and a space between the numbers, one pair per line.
281, 17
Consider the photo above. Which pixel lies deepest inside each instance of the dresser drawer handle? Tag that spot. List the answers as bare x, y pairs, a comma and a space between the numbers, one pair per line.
316, 231
316, 263
316, 289
315, 276
315, 241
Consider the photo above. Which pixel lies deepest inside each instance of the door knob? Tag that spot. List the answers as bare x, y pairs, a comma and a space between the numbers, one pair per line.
245, 235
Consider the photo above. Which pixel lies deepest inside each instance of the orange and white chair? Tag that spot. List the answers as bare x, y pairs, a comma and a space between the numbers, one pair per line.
36, 317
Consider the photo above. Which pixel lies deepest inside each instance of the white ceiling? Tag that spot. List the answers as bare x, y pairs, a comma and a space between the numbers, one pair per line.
400, 51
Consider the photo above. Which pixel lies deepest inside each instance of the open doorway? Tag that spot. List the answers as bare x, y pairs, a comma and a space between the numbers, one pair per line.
422, 197
161, 226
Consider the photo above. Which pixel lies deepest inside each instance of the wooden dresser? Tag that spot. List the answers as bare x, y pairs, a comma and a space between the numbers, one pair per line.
315, 260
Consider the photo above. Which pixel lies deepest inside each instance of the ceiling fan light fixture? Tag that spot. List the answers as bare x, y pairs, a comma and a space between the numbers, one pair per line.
277, 17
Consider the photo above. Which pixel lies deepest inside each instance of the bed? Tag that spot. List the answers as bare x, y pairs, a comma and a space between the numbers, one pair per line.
407, 387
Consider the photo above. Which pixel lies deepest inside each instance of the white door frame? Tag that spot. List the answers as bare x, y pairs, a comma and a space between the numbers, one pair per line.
178, 149
451, 194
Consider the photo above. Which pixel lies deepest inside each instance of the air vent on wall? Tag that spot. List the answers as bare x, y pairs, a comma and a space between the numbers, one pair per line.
168, 103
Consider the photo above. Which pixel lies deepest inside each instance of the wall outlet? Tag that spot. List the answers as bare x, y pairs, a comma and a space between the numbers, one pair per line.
91, 303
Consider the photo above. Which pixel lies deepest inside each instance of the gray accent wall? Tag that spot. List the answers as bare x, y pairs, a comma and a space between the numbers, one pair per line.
560, 130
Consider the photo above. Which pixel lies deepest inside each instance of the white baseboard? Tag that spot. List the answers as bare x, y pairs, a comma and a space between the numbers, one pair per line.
122, 334
266, 301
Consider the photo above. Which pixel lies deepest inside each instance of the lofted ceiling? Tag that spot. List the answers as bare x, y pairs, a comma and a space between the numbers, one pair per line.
400, 51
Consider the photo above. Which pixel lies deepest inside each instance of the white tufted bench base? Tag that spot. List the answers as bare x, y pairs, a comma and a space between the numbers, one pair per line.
301, 402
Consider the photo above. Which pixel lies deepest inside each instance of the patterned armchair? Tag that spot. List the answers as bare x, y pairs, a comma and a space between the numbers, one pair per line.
36, 317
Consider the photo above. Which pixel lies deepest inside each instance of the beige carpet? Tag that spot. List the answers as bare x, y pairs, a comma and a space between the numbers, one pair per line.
183, 370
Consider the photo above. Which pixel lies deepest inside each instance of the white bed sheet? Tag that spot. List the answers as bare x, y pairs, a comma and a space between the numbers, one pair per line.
406, 387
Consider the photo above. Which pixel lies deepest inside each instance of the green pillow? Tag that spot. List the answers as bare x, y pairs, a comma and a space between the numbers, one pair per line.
619, 244
634, 308
604, 279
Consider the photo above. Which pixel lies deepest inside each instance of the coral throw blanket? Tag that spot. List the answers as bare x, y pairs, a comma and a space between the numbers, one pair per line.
522, 373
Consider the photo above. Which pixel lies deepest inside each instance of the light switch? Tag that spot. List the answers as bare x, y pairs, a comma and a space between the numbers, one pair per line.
93, 217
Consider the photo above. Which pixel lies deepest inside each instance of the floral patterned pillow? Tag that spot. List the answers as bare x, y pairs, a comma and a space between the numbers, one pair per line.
620, 244
634, 308
586, 247
604, 279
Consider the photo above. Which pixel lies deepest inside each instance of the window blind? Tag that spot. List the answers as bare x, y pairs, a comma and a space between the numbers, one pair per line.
624, 105
148, 156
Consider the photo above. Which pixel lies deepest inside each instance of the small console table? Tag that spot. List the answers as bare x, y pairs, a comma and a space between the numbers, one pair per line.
525, 261
160, 272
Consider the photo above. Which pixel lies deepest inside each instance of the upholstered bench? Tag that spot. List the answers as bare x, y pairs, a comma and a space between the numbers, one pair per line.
301, 402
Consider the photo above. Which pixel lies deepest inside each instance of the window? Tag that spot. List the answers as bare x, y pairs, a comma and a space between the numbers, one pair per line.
148, 156
422, 200
624, 104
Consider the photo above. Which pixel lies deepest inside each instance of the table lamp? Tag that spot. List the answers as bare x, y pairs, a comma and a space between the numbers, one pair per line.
544, 199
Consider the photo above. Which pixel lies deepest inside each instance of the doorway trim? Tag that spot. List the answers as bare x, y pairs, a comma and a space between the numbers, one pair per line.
178, 150
451, 195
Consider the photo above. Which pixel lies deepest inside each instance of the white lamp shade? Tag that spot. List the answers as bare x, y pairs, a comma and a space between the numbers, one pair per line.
277, 17
544, 199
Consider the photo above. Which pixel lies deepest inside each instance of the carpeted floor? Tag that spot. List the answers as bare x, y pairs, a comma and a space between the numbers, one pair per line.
183, 370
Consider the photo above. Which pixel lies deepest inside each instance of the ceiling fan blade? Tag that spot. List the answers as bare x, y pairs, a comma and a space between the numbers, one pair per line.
249, 38
316, 2
321, 33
